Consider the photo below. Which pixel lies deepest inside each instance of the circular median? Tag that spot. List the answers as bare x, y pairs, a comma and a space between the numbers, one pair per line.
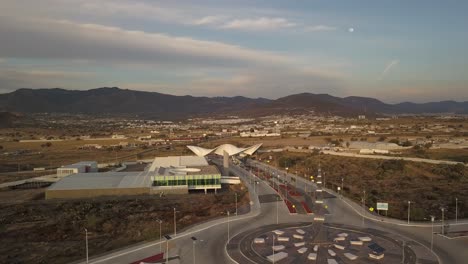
318, 243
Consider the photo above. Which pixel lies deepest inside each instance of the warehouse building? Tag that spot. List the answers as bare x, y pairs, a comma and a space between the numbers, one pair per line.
86, 185
80, 167
178, 174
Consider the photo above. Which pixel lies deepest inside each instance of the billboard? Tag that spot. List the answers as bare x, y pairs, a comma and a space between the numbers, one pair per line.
382, 206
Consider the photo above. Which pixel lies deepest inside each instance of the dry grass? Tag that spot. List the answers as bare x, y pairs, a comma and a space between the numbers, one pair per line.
395, 182
37, 231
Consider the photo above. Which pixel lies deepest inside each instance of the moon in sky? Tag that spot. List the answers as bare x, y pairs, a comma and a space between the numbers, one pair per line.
351, 30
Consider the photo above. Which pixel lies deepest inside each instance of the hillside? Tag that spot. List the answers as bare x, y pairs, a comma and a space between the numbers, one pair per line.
120, 101
157, 105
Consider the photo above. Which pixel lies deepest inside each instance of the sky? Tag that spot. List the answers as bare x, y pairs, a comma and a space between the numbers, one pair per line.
395, 50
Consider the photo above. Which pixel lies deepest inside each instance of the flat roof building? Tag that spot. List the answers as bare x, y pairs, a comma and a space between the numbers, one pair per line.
177, 174
79, 167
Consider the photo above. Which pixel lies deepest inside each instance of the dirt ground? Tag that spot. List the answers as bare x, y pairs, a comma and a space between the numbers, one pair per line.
67, 152
33, 230
428, 186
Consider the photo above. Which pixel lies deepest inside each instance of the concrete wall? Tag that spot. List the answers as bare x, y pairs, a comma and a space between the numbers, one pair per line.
88, 193
170, 189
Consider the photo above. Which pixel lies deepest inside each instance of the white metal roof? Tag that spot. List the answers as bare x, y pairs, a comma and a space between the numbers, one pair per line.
106, 180
177, 161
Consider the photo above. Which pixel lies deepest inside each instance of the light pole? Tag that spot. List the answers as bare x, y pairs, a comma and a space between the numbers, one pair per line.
228, 225
363, 206
167, 247
86, 237
432, 233
194, 239
175, 223
273, 248
443, 227
403, 260
236, 202
160, 234
409, 208
341, 191
277, 202
456, 210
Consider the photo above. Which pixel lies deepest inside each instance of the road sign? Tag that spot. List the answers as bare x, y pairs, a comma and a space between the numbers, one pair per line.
382, 206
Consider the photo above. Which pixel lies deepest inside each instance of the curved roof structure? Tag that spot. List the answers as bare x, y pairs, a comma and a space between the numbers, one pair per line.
229, 148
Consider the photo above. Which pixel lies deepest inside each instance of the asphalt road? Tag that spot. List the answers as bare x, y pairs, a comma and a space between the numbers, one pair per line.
212, 236
344, 211
372, 156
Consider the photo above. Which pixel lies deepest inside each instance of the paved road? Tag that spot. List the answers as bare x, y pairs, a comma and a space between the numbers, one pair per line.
213, 236
432, 161
347, 212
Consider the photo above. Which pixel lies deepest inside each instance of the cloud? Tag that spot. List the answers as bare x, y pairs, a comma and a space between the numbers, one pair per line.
259, 24
319, 28
208, 20
389, 66
53, 39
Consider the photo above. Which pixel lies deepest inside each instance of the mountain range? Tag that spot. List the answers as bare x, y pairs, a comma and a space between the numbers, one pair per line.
164, 106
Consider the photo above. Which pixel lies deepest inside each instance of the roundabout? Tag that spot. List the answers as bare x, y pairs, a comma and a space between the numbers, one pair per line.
318, 243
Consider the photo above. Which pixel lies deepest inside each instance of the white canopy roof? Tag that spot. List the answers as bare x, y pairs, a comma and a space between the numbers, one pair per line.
229, 148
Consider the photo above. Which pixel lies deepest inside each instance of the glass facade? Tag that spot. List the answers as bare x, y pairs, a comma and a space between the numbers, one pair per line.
193, 181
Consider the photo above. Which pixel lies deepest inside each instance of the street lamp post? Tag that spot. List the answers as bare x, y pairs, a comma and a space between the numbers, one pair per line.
273, 248
228, 225
456, 210
363, 206
409, 208
167, 247
443, 227
194, 239
277, 202
236, 202
341, 191
175, 223
160, 234
86, 237
432, 233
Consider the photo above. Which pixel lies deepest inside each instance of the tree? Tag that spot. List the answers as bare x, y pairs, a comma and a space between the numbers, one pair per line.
382, 138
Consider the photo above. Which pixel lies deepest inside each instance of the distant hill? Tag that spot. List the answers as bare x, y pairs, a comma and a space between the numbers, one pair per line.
119, 101
163, 106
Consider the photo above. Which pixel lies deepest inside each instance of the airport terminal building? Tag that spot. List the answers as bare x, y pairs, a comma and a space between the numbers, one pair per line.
164, 175
177, 174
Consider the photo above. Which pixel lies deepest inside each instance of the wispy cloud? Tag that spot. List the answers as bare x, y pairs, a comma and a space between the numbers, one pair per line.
257, 24
52, 39
319, 28
208, 20
389, 66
